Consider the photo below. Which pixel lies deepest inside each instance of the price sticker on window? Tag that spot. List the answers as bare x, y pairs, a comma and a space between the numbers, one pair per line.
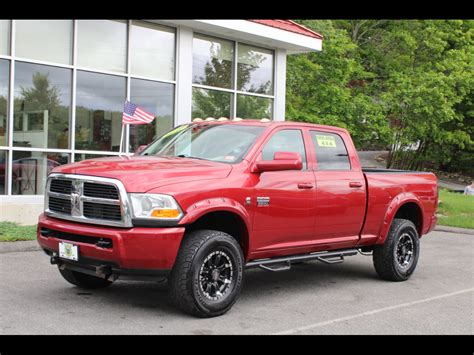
326, 141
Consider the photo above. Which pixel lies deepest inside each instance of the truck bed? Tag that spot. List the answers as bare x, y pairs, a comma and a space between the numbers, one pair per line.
384, 184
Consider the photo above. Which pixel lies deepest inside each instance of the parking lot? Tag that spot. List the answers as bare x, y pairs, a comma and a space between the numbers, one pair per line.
312, 298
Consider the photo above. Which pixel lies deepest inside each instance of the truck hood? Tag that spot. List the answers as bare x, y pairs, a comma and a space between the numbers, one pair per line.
144, 173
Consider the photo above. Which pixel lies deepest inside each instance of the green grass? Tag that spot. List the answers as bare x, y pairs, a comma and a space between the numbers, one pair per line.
455, 210
11, 232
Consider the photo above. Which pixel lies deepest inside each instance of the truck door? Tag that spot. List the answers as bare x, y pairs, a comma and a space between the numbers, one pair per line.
284, 200
340, 191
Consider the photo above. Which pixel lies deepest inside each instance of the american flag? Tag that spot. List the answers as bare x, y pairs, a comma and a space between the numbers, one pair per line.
132, 114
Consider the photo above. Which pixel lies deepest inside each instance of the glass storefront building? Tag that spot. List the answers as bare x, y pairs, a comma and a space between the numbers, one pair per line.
63, 84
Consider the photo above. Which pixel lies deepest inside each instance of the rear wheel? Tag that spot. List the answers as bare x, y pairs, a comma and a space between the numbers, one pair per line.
396, 259
208, 273
84, 280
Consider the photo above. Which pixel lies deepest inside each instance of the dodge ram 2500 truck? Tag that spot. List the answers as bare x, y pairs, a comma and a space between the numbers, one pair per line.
207, 200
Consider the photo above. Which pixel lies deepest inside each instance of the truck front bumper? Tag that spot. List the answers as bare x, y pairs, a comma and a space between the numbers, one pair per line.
133, 252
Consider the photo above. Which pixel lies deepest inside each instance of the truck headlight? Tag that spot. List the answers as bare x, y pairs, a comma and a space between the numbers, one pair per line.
154, 206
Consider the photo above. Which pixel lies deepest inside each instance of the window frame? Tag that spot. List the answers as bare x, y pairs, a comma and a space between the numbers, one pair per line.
306, 160
12, 58
233, 90
312, 143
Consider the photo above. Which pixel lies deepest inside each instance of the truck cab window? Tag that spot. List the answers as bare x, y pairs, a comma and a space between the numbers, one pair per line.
331, 152
287, 140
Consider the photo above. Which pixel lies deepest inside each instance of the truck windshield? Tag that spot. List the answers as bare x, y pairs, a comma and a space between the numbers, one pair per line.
226, 143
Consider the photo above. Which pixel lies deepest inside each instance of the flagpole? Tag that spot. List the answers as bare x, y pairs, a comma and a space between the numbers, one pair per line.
121, 140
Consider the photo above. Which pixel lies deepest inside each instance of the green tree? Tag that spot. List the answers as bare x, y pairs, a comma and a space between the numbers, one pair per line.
330, 87
407, 85
42, 95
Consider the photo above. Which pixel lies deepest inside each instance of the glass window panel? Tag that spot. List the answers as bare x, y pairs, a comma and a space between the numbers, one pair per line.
211, 103
331, 152
212, 61
99, 106
102, 44
4, 81
47, 40
42, 106
152, 50
254, 107
157, 99
30, 170
3, 170
255, 69
288, 140
84, 156
5, 37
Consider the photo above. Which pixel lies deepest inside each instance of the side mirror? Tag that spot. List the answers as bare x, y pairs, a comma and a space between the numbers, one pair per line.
281, 161
140, 149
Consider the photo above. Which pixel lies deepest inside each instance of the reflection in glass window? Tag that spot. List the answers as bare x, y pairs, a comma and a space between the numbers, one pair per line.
83, 156
331, 152
288, 140
30, 170
221, 142
212, 61
152, 50
254, 107
5, 37
3, 170
255, 69
155, 98
211, 103
42, 106
102, 44
4, 80
99, 106
47, 40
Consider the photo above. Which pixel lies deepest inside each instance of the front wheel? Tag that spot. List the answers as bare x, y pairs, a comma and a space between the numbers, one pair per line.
396, 259
208, 273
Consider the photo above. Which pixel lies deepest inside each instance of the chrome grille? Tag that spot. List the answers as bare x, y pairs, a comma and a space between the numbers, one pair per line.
87, 199
60, 205
102, 211
61, 186
101, 191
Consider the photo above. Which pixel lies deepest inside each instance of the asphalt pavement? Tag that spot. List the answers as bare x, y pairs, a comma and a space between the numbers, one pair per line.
312, 298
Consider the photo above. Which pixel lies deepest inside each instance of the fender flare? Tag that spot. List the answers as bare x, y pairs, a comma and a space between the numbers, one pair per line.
216, 204
393, 207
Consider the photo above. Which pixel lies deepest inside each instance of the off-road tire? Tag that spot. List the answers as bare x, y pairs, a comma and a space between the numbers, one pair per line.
185, 282
83, 280
385, 255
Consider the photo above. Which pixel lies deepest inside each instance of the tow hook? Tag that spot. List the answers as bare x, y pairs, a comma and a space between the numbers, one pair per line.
55, 259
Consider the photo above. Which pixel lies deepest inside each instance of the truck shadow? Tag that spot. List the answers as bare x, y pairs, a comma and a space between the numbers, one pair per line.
309, 276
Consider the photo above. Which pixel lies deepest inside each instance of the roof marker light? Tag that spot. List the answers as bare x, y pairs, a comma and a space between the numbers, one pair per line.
210, 119
198, 120
264, 120
237, 119
222, 119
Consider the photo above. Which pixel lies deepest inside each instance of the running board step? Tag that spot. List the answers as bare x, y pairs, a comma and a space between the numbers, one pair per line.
328, 257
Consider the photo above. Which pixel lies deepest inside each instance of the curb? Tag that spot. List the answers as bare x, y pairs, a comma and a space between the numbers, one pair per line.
454, 230
24, 245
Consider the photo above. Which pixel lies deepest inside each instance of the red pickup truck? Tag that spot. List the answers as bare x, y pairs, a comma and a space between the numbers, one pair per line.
209, 199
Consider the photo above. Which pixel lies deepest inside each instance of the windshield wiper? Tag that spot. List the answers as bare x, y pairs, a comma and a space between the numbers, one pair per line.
189, 156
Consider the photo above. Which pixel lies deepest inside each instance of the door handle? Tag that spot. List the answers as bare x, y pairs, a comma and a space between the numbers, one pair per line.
305, 185
355, 184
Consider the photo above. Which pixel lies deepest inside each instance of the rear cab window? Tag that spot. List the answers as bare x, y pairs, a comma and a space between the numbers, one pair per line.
331, 152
